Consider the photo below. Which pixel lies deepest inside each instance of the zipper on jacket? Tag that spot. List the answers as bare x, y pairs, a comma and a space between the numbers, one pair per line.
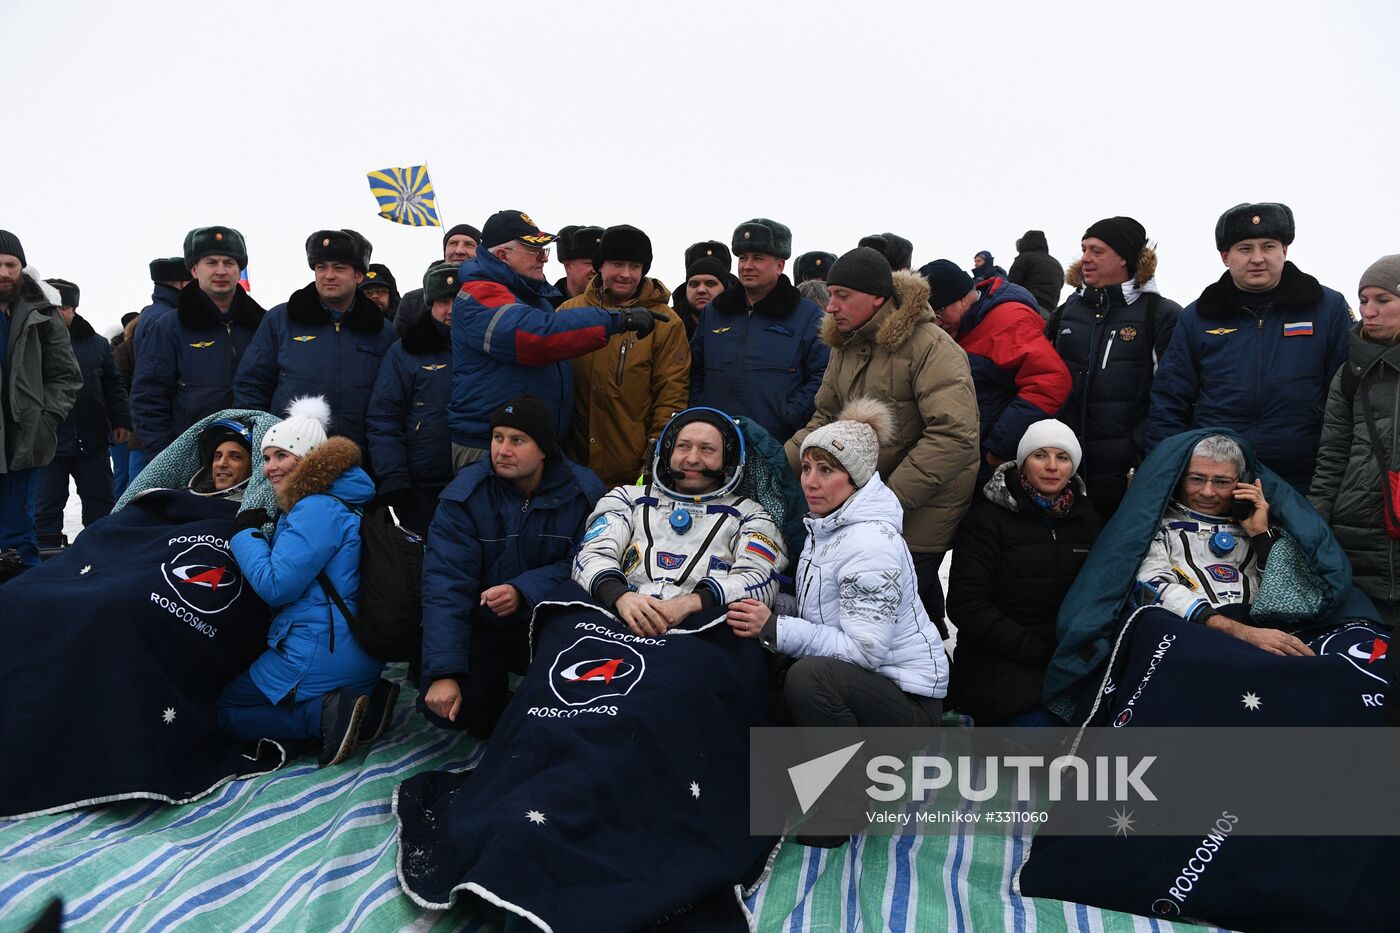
622, 358
1108, 348
526, 506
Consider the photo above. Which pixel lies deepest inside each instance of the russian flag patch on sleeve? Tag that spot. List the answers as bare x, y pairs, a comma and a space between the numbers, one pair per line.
1297, 329
762, 551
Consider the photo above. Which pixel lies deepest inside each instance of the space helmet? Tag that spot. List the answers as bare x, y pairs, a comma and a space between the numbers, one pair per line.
734, 454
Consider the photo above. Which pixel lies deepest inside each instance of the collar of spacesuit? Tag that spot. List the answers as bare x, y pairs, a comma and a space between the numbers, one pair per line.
1180, 516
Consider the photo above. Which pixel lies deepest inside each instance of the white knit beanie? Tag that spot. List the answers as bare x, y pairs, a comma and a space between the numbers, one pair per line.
304, 429
1049, 433
855, 437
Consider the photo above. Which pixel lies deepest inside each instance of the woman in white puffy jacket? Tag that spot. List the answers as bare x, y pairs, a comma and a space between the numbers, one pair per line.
868, 653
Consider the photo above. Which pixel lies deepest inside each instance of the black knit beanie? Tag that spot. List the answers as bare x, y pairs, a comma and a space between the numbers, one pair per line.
467, 229
1124, 236
865, 270
947, 282
529, 414
10, 246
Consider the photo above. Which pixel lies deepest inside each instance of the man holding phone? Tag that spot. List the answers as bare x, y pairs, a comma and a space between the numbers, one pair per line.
1208, 555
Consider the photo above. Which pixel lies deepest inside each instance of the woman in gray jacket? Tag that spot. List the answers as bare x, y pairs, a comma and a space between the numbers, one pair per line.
1351, 486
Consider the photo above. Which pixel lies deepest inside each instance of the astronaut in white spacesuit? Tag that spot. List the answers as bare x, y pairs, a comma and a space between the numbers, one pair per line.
1207, 558
654, 554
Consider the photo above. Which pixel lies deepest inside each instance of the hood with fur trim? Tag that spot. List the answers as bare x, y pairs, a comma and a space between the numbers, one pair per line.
1146, 270
894, 322
1004, 490
319, 470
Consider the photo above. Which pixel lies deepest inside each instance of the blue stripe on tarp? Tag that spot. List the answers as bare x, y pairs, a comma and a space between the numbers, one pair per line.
195, 846
390, 883
136, 820
37, 838
1081, 916
210, 895
1018, 904
854, 850
813, 859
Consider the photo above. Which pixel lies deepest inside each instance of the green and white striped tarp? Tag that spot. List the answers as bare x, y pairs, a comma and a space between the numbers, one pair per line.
302, 849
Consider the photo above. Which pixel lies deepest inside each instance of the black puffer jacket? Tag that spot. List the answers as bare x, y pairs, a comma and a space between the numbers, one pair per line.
1037, 271
1012, 565
1111, 339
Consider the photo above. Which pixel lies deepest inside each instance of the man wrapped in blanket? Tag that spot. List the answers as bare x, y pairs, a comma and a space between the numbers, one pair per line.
1208, 556
685, 541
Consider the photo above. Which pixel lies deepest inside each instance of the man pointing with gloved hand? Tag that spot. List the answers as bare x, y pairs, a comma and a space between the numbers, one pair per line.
507, 339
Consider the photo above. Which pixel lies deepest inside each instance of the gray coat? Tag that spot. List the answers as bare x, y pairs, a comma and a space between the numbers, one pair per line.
42, 380
1346, 486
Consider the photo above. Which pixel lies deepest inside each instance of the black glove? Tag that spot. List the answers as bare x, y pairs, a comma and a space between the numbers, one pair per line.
642, 321
250, 518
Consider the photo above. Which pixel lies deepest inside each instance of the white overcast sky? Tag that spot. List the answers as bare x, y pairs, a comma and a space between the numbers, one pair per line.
956, 125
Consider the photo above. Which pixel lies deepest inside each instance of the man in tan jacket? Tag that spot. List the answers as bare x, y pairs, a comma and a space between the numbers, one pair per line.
625, 392
885, 345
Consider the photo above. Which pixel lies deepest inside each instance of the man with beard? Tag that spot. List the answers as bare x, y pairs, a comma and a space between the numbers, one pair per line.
82, 437
39, 381
186, 362
625, 392
327, 339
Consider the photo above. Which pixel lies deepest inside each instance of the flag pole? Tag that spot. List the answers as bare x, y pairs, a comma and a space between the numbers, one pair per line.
442, 223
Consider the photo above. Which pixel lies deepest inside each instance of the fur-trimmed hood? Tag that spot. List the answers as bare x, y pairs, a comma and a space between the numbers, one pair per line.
334, 464
1146, 271
1296, 289
1005, 491
894, 322
304, 307
197, 310
426, 337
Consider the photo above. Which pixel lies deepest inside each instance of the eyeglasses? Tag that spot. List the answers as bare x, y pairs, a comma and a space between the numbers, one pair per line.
542, 253
1196, 481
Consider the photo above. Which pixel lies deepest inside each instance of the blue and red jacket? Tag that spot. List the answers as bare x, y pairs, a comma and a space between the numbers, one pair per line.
1019, 377
507, 340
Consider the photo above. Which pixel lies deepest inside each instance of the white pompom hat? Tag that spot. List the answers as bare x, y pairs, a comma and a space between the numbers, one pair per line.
304, 428
1049, 433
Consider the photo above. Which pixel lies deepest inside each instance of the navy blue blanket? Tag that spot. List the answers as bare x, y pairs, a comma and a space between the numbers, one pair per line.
1207, 678
614, 792
112, 656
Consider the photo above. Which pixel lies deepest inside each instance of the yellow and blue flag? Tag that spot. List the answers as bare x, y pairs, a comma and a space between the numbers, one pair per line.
405, 195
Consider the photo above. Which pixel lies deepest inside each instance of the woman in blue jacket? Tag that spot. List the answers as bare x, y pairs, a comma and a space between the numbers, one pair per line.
314, 680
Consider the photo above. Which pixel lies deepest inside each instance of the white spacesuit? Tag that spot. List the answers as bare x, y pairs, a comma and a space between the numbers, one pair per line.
658, 542
1198, 563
